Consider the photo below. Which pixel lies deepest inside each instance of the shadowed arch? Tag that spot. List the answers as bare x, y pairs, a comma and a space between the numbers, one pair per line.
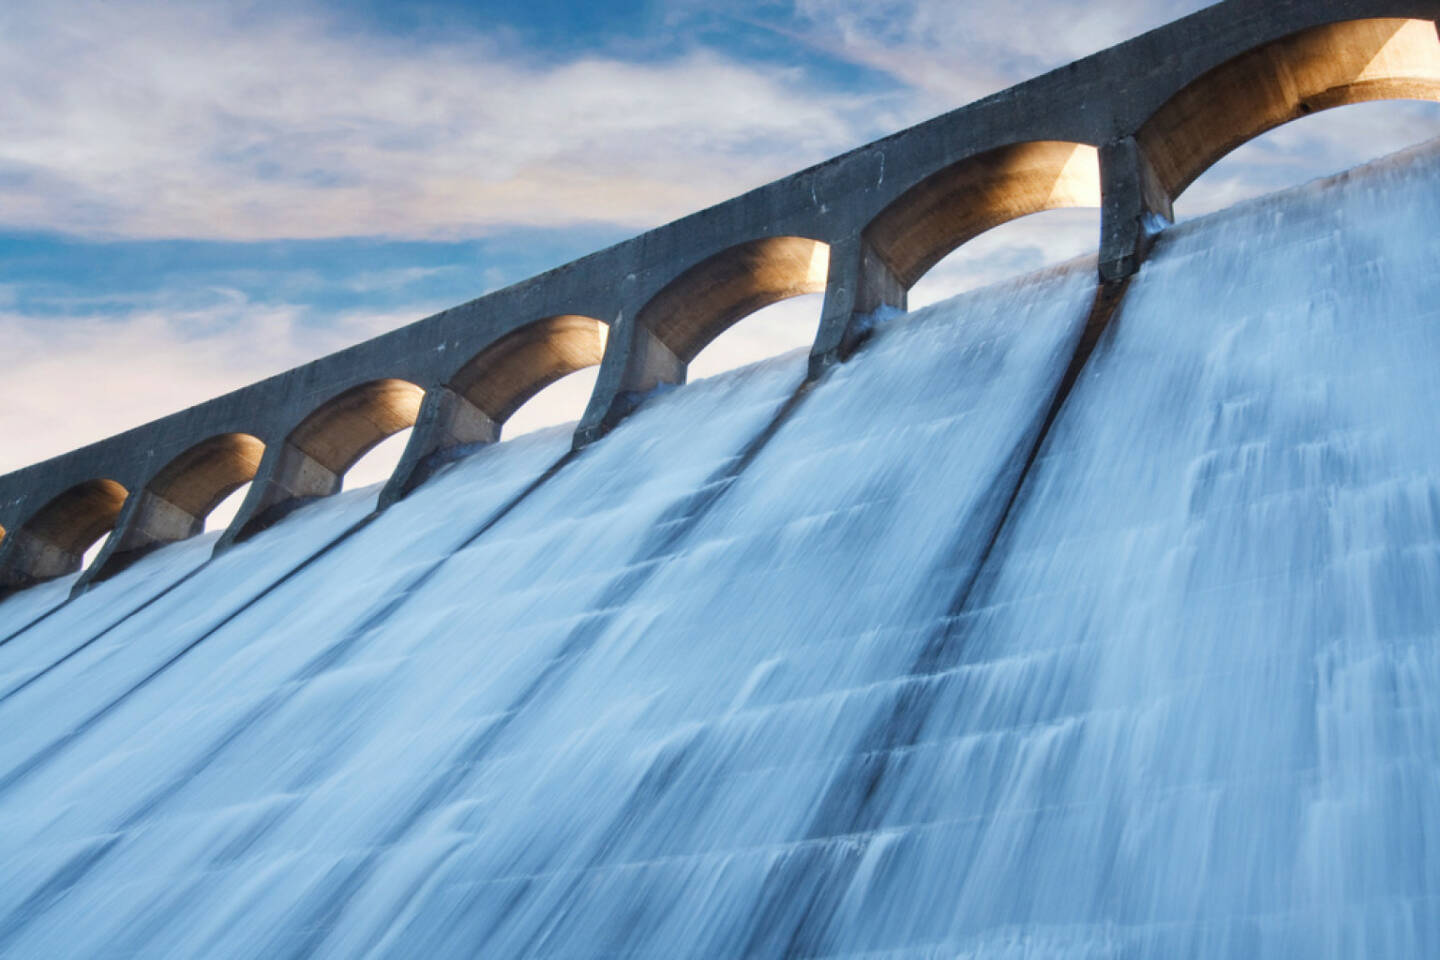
701, 303
198, 479
53, 541
345, 427
1329, 66
75, 519
174, 504
979, 193
315, 456
504, 375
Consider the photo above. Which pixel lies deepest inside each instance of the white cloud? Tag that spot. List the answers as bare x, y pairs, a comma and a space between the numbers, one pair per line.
72, 380
562, 402
138, 118
950, 53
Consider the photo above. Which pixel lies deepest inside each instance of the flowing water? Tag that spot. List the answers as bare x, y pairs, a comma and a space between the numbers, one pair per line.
893, 665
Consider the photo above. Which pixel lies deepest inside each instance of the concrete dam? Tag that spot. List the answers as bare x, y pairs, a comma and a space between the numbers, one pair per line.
1091, 614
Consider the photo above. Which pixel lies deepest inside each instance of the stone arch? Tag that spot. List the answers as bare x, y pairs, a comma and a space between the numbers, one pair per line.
1352, 61
499, 379
315, 456
53, 541
174, 504
981, 192
197, 480
708, 298
345, 427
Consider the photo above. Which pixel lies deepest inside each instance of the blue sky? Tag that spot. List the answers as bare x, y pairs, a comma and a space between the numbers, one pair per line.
195, 195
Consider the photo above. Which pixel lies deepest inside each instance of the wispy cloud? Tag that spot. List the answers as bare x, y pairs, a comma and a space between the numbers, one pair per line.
948, 54
139, 118
71, 380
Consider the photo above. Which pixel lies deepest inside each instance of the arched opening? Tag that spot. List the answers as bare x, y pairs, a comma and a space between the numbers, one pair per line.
54, 541
327, 444
377, 464
954, 206
1021, 246
538, 375
710, 297
563, 401
92, 552
1314, 146
1314, 70
349, 425
225, 511
317, 455
770, 331
177, 501
188, 489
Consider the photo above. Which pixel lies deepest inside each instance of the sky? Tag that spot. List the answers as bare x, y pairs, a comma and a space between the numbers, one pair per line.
195, 195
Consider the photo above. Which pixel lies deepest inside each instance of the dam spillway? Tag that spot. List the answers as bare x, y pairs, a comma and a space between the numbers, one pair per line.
924, 658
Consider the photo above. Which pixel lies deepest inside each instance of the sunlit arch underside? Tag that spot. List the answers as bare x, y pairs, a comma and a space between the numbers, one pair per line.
501, 378
711, 296
53, 541
1329, 66
977, 194
345, 428
198, 479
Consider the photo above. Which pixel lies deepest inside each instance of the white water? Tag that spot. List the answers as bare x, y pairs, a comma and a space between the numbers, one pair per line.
1199, 679
713, 689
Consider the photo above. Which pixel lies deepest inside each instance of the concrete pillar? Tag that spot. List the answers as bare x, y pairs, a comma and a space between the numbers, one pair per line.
859, 283
288, 477
26, 559
448, 426
1134, 207
146, 522
635, 363
52, 541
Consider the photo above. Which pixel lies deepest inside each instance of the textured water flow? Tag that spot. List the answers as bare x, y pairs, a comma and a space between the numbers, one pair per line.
31, 606
773, 671
1193, 708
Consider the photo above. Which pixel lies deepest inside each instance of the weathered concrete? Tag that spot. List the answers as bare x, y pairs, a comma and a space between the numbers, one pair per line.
1316, 69
54, 539
1151, 114
471, 409
312, 460
860, 283
173, 506
1134, 208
